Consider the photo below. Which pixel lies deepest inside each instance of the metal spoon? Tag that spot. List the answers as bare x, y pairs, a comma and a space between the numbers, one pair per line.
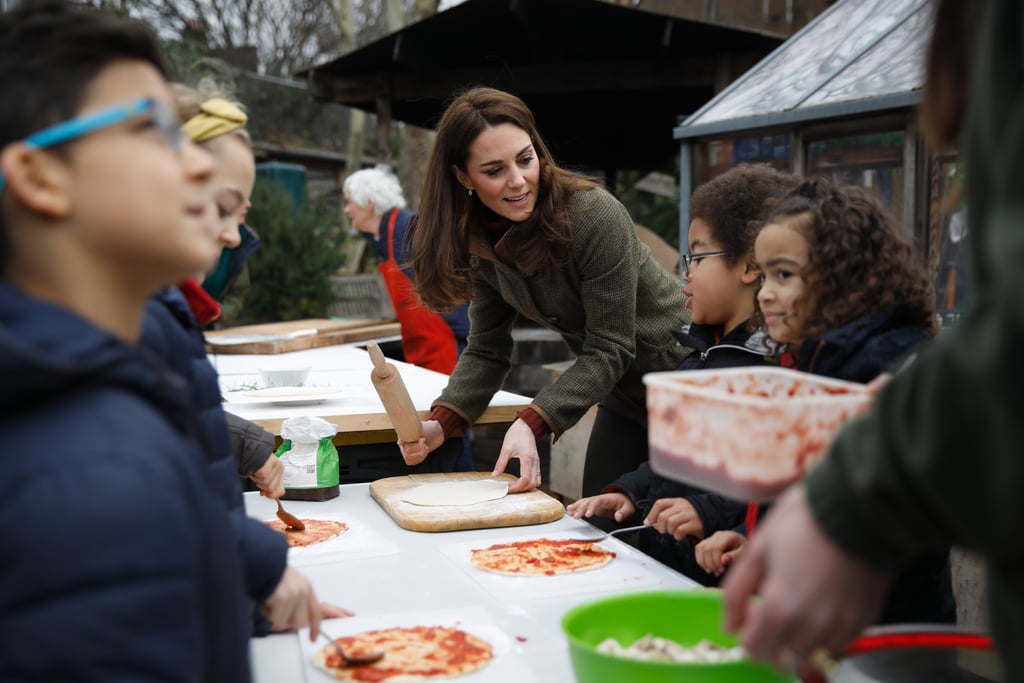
290, 520
613, 532
363, 659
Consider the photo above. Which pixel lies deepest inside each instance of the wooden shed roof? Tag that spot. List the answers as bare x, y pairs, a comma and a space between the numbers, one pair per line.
607, 83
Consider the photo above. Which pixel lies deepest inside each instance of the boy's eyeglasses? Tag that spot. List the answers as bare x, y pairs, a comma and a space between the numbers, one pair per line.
164, 120
696, 258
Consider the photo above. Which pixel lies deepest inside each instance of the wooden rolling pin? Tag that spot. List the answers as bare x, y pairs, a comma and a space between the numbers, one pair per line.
394, 396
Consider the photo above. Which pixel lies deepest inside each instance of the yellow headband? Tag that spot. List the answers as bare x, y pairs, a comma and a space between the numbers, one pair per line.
215, 118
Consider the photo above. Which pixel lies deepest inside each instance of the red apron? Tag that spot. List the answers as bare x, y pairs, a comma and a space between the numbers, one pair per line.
427, 341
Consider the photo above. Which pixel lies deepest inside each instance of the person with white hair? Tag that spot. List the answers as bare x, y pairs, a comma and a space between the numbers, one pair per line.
375, 204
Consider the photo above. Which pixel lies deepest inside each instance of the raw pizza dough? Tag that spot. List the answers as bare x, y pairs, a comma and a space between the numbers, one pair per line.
456, 492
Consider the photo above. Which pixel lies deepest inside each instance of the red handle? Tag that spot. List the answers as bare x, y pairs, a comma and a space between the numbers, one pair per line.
971, 641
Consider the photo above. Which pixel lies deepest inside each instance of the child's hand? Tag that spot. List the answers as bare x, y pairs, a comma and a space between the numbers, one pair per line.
616, 506
715, 553
677, 517
269, 478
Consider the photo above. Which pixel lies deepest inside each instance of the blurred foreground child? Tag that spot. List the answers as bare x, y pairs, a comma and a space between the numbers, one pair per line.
117, 562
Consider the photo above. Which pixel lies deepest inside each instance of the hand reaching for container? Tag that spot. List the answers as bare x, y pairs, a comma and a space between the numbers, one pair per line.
520, 443
719, 550
676, 517
614, 505
415, 452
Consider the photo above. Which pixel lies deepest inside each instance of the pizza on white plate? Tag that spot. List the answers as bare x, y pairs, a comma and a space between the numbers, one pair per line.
316, 531
541, 556
413, 653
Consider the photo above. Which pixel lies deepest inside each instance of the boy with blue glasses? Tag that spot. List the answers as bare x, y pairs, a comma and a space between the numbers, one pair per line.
118, 562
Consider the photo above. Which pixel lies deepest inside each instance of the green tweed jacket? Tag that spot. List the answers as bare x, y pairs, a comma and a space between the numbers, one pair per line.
610, 301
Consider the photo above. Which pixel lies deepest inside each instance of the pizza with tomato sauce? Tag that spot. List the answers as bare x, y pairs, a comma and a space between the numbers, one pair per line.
316, 531
542, 556
415, 653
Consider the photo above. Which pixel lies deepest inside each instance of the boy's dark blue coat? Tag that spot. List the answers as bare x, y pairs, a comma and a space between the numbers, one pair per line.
117, 560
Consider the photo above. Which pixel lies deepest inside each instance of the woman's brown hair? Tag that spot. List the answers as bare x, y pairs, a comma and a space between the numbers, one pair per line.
440, 236
858, 262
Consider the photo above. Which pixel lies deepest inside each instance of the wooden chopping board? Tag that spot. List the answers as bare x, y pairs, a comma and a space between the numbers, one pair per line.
515, 509
328, 333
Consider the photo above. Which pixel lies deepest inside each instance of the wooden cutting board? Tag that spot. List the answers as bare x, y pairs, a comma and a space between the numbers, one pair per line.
328, 333
515, 509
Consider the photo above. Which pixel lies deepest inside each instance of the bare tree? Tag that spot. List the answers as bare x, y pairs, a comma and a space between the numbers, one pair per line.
271, 36
415, 142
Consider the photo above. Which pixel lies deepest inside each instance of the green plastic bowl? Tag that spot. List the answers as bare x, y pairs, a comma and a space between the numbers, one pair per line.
685, 616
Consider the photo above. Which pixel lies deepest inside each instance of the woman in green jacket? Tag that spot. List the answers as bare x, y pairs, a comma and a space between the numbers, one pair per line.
502, 226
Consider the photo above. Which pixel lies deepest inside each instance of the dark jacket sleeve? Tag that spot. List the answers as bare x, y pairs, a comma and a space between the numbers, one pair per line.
718, 513
251, 445
636, 485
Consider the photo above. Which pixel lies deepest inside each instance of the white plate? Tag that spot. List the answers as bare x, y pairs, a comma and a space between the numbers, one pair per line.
359, 542
628, 570
285, 396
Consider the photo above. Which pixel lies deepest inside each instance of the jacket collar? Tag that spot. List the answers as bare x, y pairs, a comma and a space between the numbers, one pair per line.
46, 350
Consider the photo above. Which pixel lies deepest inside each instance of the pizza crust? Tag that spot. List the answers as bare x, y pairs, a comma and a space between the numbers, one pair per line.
541, 557
456, 492
415, 653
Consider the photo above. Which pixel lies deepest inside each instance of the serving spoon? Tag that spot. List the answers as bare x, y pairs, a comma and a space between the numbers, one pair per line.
347, 659
290, 520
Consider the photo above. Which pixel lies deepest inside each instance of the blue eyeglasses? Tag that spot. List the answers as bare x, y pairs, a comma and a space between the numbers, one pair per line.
165, 122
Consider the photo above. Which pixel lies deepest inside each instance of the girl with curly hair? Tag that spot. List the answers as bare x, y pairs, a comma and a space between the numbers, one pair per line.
843, 296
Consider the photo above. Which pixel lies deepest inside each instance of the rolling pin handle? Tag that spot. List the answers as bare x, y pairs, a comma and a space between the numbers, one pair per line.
380, 365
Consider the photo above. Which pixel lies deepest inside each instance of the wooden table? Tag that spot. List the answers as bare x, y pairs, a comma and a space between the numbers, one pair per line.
297, 335
390, 576
355, 409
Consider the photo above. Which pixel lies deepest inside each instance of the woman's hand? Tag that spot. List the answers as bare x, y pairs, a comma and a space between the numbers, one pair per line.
719, 550
615, 506
677, 517
415, 452
520, 443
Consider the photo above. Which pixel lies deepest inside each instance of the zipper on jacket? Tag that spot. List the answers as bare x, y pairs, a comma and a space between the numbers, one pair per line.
704, 354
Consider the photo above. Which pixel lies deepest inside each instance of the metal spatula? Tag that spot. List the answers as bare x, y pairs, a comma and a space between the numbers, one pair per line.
613, 532
361, 659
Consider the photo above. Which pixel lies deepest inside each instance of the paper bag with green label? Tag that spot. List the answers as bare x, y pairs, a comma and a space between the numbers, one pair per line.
309, 457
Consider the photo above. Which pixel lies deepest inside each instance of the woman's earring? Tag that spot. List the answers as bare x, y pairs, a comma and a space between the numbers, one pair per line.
470, 191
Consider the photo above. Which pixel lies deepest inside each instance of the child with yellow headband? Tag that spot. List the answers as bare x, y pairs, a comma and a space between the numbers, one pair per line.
282, 598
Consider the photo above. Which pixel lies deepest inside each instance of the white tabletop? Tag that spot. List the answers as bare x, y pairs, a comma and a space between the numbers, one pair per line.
392, 577
355, 407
